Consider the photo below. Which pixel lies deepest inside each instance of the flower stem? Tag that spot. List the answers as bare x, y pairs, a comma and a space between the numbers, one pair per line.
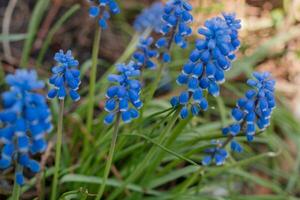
110, 158
93, 73
58, 150
16, 188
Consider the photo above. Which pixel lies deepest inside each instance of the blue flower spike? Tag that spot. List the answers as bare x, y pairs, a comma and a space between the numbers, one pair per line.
216, 154
25, 120
101, 10
149, 18
66, 77
124, 96
255, 109
175, 26
144, 54
252, 112
208, 62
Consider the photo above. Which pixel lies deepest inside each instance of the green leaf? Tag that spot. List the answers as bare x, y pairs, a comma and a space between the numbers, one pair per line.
213, 171
36, 18
166, 149
173, 176
12, 37
110, 182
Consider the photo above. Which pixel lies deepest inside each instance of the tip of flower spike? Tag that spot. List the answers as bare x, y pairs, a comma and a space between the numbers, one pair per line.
149, 18
66, 76
25, 80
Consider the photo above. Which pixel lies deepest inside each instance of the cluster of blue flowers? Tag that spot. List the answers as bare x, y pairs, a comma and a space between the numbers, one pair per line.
150, 18
100, 10
24, 122
123, 98
205, 69
215, 154
144, 54
66, 77
254, 110
176, 19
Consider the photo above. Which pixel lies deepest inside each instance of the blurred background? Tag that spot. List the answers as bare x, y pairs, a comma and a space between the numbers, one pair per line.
270, 38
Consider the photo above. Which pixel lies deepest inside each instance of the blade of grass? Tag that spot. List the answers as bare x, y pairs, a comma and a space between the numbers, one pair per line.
12, 37
165, 149
175, 174
111, 182
36, 18
213, 171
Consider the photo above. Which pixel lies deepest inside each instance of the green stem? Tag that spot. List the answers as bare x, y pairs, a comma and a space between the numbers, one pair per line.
58, 150
16, 189
155, 84
110, 158
93, 73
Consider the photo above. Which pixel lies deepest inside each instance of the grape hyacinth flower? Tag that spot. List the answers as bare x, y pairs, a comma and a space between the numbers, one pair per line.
24, 122
123, 98
66, 80
251, 112
144, 54
215, 154
206, 66
255, 109
101, 9
66, 76
175, 28
150, 18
